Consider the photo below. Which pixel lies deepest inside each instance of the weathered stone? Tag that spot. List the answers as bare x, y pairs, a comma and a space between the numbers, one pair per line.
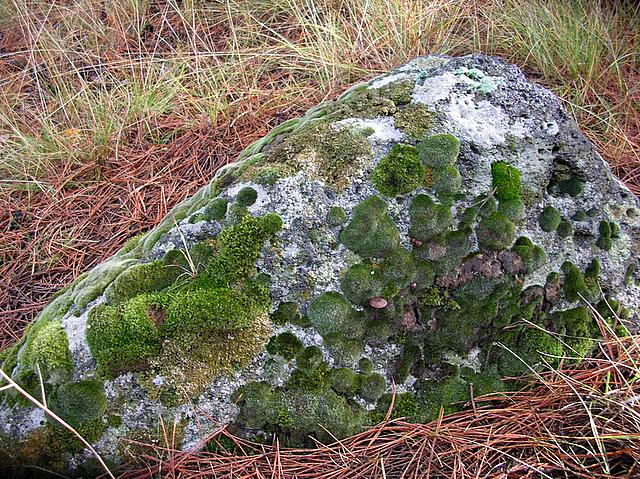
287, 296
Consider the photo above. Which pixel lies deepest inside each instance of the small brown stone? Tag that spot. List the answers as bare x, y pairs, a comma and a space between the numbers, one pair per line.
378, 302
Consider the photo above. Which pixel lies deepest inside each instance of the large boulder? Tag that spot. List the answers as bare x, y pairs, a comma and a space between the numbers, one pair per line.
439, 228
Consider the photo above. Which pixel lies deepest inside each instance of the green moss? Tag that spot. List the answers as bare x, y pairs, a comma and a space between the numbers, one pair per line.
372, 387
399, 172
439, 151
344, 381
346, 350
573, 284
365, 366
246, 196
414, 120
496, 232
548, 345
120, 342
428, 219
580, 215
481, 206
505, 181
371, 232
336, 216
287, 312
240, 244
141, 278
533, 256
512, 209
209, 310
571, 186
80, 403
447, 393
404, 406
577, 328
331, 313
113, 420
446, 181
564, 230
47, 346
294, 414
286, 345
593, 212
309, 358
549, 219
360, 283
411, 355
604, 239
216, 209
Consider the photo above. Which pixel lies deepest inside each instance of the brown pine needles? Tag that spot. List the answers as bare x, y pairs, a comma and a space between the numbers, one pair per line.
580, 421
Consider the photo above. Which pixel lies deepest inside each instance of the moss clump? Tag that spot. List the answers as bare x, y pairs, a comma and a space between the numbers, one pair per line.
286, 345
580, 215
605, 234
414, 120
411, 354
294, 414
439, 151
505, 181
141, 278
571, 186
246, 196
372, 387
447, 394
216, 209
287, 312
573, 284
344, 381
496, 232
564, 229
399, 172
371, 232
121, 342
47, 346
577, 328
80, 402
309, 358
240, 244
428, 219
533, 256
331, 313
446, 181
549, 219
361, 282
209, 310
336, 216
512, 209
404, 405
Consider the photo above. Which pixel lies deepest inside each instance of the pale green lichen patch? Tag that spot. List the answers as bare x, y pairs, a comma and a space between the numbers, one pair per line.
414, 120
331, 153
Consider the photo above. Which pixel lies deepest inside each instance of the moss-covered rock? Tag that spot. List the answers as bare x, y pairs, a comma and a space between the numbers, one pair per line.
334, 259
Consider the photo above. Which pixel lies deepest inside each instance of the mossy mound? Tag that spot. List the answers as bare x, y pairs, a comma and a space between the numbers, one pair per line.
419, 230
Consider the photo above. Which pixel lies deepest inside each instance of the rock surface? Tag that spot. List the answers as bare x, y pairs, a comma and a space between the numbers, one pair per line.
441, 227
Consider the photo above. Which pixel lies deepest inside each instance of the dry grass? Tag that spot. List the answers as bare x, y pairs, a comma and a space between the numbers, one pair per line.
112, 112
579, 422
